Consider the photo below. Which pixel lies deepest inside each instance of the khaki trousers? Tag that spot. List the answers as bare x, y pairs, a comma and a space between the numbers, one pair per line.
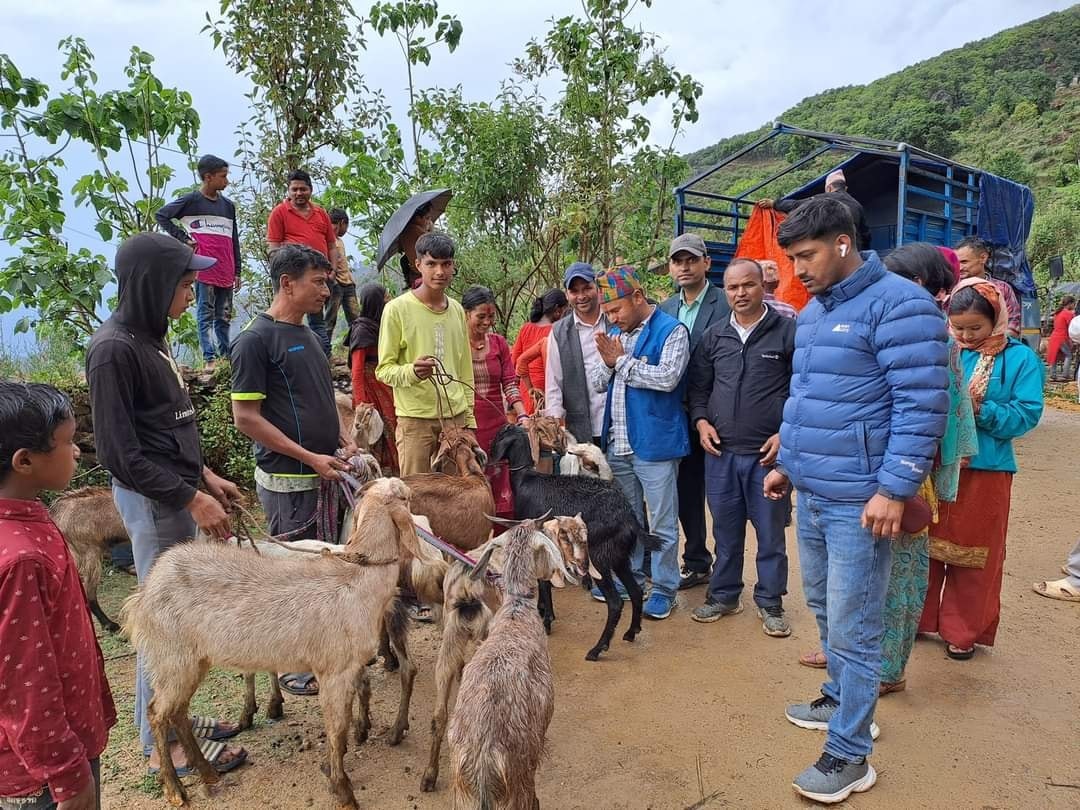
417, 440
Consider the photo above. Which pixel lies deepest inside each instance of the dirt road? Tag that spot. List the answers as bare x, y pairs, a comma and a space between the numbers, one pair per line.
692, 715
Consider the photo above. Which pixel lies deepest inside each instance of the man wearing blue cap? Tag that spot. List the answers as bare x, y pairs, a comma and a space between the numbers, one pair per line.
571, 353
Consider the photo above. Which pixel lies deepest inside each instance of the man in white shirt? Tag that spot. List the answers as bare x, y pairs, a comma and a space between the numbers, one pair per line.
572, 353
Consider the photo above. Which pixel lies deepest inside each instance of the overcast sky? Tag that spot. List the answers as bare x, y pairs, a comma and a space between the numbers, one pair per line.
754, 59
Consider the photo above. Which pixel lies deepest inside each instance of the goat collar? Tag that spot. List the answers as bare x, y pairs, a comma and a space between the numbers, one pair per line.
362, 559
522, 467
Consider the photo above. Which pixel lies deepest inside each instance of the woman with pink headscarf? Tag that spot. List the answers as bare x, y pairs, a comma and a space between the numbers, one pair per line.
967, 545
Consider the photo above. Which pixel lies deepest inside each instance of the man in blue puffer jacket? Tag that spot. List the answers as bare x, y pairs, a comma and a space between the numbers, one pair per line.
861, 427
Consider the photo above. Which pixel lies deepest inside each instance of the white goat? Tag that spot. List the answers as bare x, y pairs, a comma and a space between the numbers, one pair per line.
585, 459
497, 735
425, 577
321, 615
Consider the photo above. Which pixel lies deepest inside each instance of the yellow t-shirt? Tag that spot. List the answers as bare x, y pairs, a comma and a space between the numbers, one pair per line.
410, 330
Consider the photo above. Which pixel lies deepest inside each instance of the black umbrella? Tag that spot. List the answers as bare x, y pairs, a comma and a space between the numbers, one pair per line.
1068, 288
388, 242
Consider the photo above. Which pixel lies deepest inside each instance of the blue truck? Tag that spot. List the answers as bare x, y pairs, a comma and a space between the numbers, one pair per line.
908, 194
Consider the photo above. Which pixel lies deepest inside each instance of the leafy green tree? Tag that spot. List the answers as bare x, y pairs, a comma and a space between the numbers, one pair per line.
611, 70
412, 22
128, 128
308, 101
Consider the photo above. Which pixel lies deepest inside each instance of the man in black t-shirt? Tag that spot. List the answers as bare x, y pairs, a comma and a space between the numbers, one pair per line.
283, 400
283, 396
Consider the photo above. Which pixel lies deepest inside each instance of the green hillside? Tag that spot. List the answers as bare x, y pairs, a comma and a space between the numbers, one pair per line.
1009, 104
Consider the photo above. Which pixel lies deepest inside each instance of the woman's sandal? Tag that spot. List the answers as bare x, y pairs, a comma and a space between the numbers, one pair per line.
958, 654
1057, 589
814, 660
212, 750
888, 687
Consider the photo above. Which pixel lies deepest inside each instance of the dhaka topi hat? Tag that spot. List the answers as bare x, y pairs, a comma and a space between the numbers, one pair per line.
619, 282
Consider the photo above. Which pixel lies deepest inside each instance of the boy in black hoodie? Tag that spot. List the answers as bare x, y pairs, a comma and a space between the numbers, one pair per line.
145, 432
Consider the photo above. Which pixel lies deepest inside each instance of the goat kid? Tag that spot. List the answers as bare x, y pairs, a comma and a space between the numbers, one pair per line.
362, 422
455, 504
320, 615
613, 528
470, 600
91, 524
585, 459
498, 733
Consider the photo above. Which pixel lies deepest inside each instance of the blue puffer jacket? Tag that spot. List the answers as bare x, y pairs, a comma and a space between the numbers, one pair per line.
869, 388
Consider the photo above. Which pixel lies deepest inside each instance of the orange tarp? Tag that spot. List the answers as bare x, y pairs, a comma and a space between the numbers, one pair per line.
759, 242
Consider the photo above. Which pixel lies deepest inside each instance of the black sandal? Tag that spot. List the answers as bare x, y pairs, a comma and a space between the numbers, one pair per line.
956, 654
302, 684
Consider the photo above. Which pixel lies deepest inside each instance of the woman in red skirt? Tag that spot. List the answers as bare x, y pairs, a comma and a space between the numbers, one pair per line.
363, 357
967, 545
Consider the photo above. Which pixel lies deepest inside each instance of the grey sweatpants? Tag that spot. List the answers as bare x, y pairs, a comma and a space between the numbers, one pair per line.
287, 511
153, 528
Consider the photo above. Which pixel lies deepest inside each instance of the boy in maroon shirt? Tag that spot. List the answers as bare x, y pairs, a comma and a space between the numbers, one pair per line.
55, 706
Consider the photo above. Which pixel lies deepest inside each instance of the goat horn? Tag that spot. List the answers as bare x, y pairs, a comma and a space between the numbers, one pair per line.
482, 564
504, 521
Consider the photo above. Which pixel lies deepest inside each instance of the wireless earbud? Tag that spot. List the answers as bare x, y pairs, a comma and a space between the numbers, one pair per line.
843, 251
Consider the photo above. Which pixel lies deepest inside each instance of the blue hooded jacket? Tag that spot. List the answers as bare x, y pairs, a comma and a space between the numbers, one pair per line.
869, 388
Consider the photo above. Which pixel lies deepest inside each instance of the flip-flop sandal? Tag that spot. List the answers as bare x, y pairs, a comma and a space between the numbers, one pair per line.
814, 660
1057, 589
887, 687
207, 728
422, 613
957, 654
212, 750
302, 684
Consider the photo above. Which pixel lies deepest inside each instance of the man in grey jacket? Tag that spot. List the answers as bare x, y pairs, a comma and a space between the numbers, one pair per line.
698, 305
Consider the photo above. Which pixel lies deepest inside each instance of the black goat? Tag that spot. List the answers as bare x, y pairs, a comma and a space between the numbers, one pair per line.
613, 527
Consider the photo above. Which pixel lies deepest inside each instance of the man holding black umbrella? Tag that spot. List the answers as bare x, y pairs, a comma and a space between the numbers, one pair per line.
407, 224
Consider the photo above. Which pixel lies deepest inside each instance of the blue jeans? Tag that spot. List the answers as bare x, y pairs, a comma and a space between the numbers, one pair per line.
734, 485
845, 578
153, 528
656, 481
213, 313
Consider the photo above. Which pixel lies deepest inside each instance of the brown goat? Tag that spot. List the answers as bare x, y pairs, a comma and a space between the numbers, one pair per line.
456, 505
320, 615
498, 732
90, 523
468, 605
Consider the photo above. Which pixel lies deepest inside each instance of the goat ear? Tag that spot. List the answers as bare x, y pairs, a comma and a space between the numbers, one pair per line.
375, 427
481, 565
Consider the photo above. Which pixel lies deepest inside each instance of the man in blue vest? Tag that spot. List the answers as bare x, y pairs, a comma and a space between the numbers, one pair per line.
698, 305
645, 433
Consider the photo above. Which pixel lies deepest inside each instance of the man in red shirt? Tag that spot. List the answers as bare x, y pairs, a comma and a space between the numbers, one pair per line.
55, 706
298, 221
